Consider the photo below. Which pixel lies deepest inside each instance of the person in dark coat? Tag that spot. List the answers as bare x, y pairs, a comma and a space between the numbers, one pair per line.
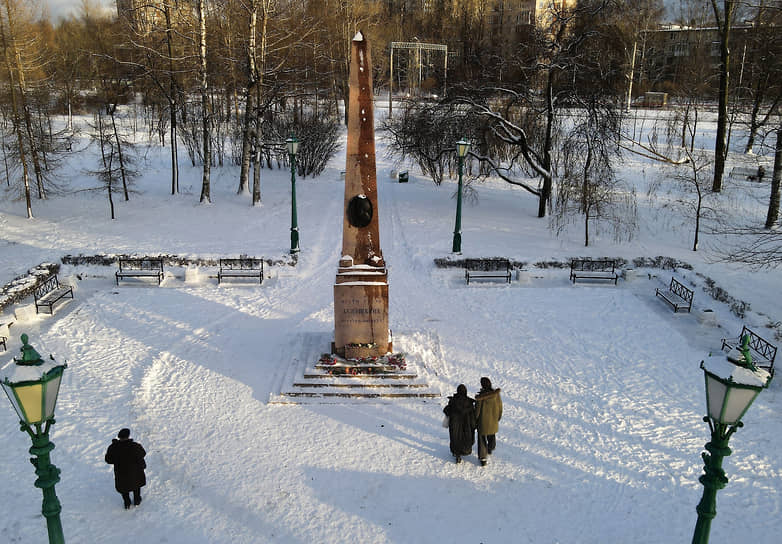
127, 457
461, 422
488, 412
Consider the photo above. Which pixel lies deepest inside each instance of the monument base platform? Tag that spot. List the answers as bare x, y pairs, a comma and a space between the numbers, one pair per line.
317, 377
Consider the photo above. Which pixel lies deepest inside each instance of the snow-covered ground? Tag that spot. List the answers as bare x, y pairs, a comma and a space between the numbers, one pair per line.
601, 435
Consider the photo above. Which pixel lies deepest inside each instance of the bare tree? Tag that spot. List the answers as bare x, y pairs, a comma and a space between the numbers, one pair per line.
588, 185
427, 133
161, 61
13, 64
693, 179
269, 48
339, 22
117, 157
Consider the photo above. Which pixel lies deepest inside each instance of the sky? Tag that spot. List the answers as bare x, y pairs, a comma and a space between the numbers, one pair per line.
66, 8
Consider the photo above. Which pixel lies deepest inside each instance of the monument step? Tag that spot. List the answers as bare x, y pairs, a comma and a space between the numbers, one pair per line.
299, 381
360, 385
385, 376
358, 395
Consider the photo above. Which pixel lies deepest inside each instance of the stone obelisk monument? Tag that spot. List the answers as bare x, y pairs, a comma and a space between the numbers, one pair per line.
361, 287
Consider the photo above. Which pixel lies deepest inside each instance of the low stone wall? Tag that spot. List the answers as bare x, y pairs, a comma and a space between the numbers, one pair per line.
110, 259
738, 307
25, 285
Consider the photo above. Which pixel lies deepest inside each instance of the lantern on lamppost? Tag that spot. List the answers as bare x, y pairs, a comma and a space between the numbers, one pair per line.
32, 386
730, 391
462, 147
292, 144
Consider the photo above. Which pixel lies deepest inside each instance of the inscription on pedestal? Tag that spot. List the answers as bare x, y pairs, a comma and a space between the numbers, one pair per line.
361, 316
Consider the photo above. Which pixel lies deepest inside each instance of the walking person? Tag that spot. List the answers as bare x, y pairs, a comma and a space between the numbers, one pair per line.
461, 422
488, 412
127, 457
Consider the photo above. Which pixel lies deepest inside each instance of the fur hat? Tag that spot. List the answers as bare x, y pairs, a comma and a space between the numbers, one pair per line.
123, 434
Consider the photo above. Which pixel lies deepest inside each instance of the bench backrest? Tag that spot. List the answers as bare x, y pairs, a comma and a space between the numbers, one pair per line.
50, 284
241, 264
681, 290
141, 264
487, 265
601, 265
760, 346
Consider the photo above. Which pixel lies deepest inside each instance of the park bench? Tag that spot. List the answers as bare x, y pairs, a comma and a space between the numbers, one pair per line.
599, 269
50, 292
763, 353
751, 173
245, 267
677, 295
140, 267
497, 269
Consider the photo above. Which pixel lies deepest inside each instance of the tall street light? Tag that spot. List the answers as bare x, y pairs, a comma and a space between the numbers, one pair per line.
32, 385
462, 147
293, 147
730, 390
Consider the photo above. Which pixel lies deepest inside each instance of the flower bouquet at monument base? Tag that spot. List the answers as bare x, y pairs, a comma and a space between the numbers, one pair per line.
386, 364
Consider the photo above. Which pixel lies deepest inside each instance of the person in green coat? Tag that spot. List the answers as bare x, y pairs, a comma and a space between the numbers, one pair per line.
488, 412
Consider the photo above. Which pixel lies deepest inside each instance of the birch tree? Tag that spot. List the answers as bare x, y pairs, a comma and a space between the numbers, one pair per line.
205, 106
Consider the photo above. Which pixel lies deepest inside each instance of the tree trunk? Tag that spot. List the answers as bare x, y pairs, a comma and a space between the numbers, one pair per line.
698, 205
586, 197
109, 188
754, 122
776, 181
720, 145
247, 138
112, 110
205, 108
172, 102
545, 190
249, 107
261, 66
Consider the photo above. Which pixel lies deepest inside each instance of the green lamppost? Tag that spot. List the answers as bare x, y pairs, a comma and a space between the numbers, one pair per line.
32, 385
730, 390
293, 147
462, 146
